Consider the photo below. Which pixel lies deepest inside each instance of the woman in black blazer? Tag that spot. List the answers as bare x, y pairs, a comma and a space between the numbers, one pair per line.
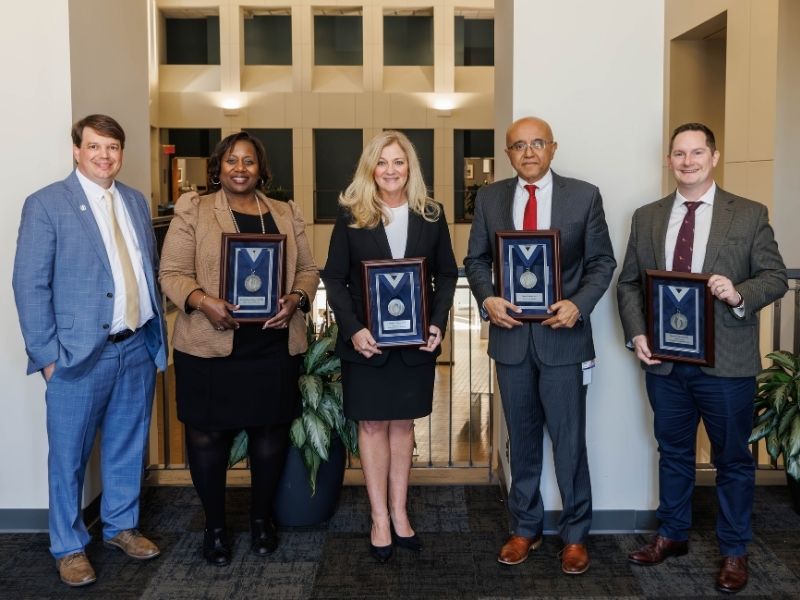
385, 213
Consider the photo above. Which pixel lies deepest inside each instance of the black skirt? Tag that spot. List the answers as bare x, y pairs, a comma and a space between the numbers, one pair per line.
256, 385
391, 391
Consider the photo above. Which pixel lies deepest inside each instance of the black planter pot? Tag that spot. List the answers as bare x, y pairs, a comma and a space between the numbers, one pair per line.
294, 505
794, 492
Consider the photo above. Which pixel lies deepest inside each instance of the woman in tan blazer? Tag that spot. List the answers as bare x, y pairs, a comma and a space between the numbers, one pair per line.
232, 376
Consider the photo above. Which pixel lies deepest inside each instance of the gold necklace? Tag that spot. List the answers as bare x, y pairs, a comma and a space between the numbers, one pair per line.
260, 217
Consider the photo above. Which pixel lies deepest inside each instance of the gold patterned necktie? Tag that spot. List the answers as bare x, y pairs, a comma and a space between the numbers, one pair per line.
128, 275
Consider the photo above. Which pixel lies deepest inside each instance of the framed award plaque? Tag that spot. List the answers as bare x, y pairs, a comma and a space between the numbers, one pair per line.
528, 271
395, 301
252, 274
680, 317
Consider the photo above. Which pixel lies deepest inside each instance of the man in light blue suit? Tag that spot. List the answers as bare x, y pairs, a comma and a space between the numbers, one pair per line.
91, 315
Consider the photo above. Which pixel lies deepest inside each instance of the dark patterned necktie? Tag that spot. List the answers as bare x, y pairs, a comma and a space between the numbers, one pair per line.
682, 259
529, 220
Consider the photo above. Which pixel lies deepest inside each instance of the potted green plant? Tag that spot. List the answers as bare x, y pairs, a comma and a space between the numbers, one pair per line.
320, 438
777, 415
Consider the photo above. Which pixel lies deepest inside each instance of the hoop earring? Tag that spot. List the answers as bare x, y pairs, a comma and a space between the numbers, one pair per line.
261, 182
215, 180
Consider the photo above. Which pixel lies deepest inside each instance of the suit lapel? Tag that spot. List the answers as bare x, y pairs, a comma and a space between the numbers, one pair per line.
222, 213
660, 223
721, 218
506, 205
415, 224
80, 204
558, 202
378, 235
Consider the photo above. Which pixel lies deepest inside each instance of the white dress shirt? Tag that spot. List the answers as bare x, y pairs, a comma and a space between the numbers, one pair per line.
702, 228
544, 201
397, 230
94, 194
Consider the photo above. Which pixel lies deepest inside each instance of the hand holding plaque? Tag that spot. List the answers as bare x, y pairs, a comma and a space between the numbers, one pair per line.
252, 274
680, 317
528, 272
395, 301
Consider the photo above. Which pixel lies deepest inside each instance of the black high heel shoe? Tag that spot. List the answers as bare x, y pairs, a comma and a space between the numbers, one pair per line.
264, 537
411, 542
381, 553
216, 549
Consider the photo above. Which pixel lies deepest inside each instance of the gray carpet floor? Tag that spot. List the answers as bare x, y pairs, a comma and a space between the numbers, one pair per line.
462, 528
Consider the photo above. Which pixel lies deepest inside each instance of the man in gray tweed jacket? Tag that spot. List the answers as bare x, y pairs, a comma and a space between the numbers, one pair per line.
702, 228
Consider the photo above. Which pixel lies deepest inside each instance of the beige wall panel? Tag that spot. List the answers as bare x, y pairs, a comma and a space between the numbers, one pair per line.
310, 107
338, 79
737, 86
381, 107
735, 178
460, 240
408, 79
761, 182
266, 110
364, 113
786, 213
338, 110
189, 78
754, 180
120, 92
443, 48
189, 110
473, 79
294, 110
683, 15
267, 78
697, 87
763, 80
406, 111
322, 238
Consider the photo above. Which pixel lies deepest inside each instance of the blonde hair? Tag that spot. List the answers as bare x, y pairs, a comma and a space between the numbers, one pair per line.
361, 197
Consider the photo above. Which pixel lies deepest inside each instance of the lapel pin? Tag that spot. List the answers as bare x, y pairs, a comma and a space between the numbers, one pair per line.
83, 207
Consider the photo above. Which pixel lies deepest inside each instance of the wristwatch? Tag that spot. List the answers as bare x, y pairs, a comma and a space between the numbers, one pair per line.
304, 304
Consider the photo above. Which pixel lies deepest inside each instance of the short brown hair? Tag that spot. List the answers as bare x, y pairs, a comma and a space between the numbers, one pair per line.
710, 141
102, 124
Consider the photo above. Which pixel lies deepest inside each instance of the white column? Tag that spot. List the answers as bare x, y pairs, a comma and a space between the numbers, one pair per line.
594, 71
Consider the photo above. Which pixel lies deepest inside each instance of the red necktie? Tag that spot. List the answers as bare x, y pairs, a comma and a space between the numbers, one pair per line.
682, 259
529, 220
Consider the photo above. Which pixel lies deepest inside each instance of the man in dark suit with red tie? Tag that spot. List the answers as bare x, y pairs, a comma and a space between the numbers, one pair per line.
539, 364
702, 228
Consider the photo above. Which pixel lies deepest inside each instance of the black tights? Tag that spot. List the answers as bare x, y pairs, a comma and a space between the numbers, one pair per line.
208, 463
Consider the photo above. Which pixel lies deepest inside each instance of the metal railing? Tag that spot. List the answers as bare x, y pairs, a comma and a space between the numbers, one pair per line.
458, 433
779, 327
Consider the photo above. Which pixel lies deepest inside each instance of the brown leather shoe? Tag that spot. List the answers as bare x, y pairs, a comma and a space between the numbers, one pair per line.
657, 551
574, 559
134, 544
733, 574
75, 569
517, 548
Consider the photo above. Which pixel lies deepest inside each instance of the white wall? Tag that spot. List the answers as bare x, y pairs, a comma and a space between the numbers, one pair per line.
37, 118
595, 72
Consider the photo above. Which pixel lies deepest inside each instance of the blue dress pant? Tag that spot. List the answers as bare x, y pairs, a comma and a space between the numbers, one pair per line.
725, 404
115, 398
534, 395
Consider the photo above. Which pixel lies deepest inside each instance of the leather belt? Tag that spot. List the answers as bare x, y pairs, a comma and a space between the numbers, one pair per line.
122, 335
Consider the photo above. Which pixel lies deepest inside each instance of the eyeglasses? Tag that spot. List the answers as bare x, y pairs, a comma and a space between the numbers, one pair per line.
537, 144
